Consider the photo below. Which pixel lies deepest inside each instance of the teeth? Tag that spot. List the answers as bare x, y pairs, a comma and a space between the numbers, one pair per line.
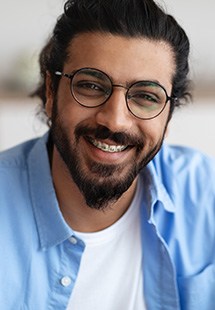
108, 148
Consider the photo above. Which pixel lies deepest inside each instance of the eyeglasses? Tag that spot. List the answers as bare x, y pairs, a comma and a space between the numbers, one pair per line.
92, 88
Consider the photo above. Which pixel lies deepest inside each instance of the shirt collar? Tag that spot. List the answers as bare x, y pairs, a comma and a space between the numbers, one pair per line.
52, 228
155, 191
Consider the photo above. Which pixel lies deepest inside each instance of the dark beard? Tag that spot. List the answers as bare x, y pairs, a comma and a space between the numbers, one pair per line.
103, 185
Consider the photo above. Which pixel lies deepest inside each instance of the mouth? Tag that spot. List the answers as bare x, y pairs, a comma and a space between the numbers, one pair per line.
109, 148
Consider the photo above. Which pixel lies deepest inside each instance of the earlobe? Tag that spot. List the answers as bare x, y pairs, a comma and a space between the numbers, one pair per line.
49, 95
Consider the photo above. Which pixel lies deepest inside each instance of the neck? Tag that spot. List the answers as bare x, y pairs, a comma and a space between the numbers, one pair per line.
76, 212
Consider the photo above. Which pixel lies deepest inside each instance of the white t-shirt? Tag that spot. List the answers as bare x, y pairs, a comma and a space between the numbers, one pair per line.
110, 275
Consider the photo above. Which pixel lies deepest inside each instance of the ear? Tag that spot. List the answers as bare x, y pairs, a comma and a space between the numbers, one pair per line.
49, 95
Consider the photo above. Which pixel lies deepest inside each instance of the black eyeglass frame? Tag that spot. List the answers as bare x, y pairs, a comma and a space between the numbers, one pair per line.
71, 76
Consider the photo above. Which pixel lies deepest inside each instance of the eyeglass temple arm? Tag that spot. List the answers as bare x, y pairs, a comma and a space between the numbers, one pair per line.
58, 73
62, 74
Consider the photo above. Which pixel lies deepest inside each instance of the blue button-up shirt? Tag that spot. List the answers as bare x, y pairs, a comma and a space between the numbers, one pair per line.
40, 258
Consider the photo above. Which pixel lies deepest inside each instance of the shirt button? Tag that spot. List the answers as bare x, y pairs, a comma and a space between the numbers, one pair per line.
66, 281
73, 240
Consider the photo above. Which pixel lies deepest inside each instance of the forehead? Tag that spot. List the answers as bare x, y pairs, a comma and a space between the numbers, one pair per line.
123, 58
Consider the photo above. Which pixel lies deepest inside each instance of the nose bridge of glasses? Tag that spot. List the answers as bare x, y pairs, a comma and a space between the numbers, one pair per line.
124, 94
117, 102
120, 86
114, 114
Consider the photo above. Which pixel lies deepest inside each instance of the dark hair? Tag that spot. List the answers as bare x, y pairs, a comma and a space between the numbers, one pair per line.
129, 18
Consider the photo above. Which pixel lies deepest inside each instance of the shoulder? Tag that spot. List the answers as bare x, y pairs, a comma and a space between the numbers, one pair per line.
14, 173
182, 155
188, 177
185, 162
15, 190
16, 156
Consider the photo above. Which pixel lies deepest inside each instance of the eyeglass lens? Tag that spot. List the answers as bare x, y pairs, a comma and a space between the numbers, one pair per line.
92, 88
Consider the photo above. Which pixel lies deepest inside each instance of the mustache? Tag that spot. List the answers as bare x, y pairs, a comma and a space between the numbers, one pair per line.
102, 132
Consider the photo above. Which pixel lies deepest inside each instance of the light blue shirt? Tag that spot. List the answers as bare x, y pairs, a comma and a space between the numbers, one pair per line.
40, 255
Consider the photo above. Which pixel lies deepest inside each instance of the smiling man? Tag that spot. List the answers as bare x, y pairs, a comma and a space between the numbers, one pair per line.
98, 130
98, 213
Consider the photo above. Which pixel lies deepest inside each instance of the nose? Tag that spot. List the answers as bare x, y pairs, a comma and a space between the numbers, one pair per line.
114, 113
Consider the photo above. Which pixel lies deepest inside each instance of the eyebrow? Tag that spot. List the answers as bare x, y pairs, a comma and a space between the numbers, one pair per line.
103, 76
97, 74
149, 82
94, 73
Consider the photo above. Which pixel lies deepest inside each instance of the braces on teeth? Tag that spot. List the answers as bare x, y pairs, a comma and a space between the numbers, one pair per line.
108, 148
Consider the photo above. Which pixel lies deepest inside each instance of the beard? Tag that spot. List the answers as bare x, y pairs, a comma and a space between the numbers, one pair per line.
100, 184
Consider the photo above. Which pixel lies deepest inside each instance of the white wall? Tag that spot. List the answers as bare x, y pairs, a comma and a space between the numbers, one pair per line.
197, 18
25, 25
194, 125
19, 121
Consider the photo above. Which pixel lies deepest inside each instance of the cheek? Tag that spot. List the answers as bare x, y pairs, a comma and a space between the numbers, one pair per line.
159, 124
67, 108
70, 113
153, 130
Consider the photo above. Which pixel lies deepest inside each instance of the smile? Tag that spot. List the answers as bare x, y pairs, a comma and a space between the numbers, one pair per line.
108, 148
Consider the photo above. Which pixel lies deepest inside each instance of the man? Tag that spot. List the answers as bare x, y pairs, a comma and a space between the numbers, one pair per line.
98, 213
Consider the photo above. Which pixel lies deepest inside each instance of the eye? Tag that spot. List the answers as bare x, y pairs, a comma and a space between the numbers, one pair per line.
89, 85
143, 96
88, 88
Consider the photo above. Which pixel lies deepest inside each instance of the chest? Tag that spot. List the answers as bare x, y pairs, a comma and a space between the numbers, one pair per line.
110, 273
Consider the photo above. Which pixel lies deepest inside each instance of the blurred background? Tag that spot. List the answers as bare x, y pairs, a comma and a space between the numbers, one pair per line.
25, 27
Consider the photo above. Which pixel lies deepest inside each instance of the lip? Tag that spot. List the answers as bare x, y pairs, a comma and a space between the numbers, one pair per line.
110, 157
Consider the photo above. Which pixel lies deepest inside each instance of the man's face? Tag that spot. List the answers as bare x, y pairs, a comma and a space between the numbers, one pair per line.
105, 147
